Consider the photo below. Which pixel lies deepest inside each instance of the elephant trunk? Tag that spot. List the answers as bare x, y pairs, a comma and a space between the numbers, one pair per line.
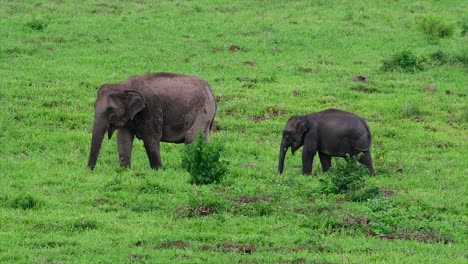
99, 129
282, 154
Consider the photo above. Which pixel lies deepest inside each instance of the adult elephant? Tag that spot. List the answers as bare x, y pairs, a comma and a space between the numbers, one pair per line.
331, 133
160, 107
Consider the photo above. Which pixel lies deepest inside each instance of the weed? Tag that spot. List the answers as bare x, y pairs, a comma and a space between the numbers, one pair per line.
203, 161
435, 26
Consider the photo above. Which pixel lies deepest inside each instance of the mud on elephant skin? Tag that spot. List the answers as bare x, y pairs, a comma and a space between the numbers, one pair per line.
159, 107
330, 133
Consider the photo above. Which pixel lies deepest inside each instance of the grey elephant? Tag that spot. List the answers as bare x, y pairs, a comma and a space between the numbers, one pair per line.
160, 107
331, 133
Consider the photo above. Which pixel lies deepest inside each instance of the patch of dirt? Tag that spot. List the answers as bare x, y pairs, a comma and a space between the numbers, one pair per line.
234, 48
253, 199
216, 127
248, 85
269, 113
241, 248
208, 248
354, 220
243, 79
430, 88
387, 192
172, 244
360, 78
139, 244
364, 89
296, 92
249, 63
304, 70
205, 211
425, 237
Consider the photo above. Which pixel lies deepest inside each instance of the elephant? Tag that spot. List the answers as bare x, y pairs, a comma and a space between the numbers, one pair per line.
159, 107
331, 133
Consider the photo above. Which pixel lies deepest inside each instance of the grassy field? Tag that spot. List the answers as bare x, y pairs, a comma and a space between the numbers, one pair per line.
266, 61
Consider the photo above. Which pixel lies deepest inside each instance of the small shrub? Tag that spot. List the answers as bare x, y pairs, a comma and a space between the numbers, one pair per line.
435, 26
348, 178
203, 161
405, 60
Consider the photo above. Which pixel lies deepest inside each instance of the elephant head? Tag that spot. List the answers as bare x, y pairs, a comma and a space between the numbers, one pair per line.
293, 136
114, 107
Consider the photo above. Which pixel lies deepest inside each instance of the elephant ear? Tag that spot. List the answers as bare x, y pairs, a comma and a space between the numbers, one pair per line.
134, 103
302, 127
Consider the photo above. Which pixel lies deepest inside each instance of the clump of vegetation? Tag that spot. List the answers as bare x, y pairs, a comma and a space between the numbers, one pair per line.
37, 24
24, 201
435, 26
203, 161
410, 110
348, 178
405, 61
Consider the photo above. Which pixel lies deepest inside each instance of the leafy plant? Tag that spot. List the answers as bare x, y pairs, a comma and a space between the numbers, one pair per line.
348, 178
436, 26
203, 161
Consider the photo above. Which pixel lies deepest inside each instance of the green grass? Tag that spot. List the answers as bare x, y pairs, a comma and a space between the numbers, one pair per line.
266, 61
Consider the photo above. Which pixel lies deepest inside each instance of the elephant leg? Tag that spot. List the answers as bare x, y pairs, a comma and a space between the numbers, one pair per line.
153, 152
325, 160
366, 160
124, 145
307, 160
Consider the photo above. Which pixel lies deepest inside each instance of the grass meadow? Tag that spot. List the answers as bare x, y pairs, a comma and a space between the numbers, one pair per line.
266, 61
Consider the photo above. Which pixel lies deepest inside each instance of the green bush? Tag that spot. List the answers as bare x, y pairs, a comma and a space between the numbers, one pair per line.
203, 161
435, 26
348, 178
405, 60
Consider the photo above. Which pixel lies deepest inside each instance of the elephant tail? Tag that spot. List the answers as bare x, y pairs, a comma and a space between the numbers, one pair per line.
214, 115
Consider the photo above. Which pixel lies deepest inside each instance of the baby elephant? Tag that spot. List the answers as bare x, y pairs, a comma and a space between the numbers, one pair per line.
331, 133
